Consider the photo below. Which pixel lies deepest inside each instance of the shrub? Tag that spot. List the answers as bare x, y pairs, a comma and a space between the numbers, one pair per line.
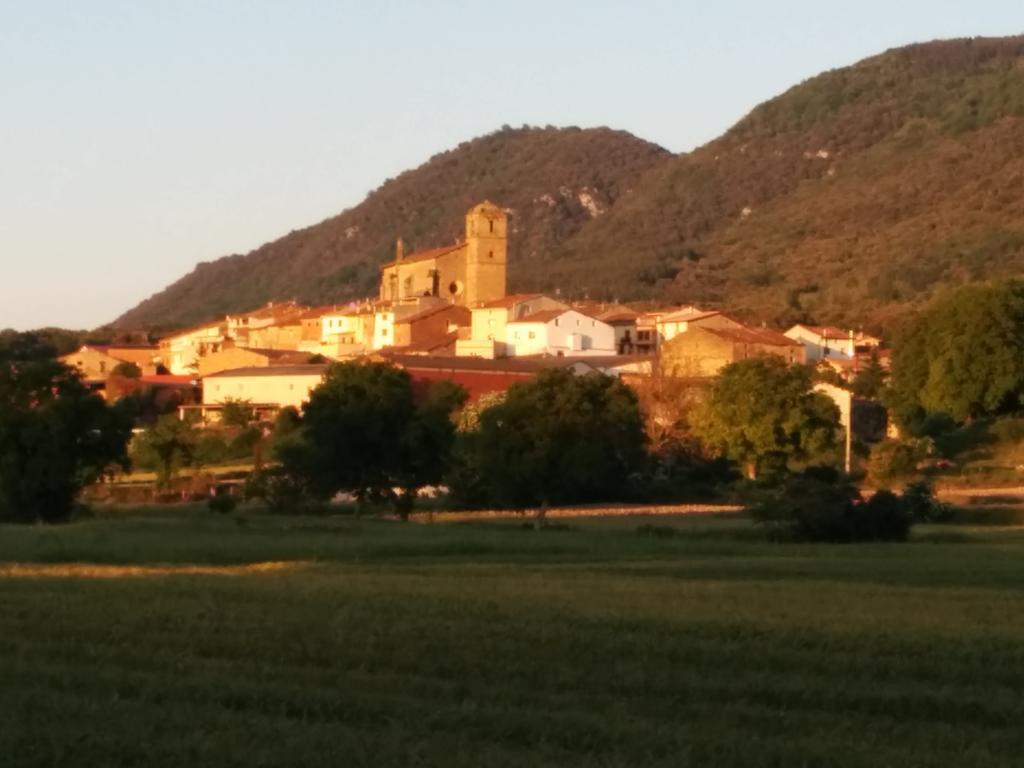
211, 448
221, 502
883, 517
243, 446
280, 492
237, 413
821, 505
1009, 430
894, 459
922, 506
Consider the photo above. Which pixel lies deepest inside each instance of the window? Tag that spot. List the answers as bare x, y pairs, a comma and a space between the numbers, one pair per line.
491, 222
533, 335
490, 254
103, 367
556, 322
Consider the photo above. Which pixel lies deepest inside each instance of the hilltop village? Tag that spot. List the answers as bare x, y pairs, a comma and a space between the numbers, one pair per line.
445, 313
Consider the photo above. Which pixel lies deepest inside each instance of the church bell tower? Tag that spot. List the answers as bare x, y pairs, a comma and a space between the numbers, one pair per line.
486, 253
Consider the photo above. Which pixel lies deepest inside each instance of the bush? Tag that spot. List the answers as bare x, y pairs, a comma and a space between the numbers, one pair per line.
222, 502
1009, 430
894, 459
883, 517
821, 505
243, 446
280, 492
922, 506
211, 448
680, 473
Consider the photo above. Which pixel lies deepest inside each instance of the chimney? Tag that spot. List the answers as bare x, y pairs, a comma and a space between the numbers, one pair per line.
399, 250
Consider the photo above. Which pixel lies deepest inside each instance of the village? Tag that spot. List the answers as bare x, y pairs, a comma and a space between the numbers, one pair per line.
540, 385
445, 314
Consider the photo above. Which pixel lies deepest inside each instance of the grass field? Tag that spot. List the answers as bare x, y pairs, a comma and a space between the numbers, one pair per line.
184, 639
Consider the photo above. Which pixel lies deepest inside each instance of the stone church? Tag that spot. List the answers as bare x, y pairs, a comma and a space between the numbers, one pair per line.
466, 273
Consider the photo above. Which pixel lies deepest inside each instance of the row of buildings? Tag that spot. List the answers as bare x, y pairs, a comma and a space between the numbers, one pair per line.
445, 313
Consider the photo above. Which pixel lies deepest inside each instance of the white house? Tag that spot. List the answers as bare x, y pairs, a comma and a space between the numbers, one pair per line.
671, 325
564, 332
490, 319
180, 353
278, 386
824, 341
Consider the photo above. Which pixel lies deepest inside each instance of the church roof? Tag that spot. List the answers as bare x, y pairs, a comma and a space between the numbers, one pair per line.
433, 253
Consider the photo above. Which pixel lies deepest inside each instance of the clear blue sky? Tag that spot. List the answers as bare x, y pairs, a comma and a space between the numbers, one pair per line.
138, 138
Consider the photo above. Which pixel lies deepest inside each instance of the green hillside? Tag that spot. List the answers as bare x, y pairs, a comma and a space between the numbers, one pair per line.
547, 177
852, 197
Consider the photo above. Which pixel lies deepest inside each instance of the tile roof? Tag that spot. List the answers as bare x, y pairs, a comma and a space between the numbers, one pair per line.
754, 336
482, 364
623, 315
433, 343
688, 314
541, 316
825, 331
219, 325
166, 379
433, 253
308, 369
274, 310
430, 311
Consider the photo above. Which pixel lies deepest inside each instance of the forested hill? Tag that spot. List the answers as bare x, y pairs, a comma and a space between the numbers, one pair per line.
850, 198
553, 181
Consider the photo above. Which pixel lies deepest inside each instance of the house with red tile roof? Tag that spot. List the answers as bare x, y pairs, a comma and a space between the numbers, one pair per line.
490, 319
559, 332
826, 341
704, 350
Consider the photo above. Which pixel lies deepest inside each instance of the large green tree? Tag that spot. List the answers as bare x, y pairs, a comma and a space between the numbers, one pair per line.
762, 412
55, 436
166, 447
558, 438
367, 431
869, 383
963, 355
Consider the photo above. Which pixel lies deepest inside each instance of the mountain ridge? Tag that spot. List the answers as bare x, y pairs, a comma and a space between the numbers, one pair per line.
851, 197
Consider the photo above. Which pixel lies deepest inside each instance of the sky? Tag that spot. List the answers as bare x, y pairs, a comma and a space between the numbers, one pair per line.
139, 138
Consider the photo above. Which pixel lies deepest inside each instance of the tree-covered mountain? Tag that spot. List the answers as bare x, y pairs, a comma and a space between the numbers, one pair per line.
553, 181
852, 197
849, 198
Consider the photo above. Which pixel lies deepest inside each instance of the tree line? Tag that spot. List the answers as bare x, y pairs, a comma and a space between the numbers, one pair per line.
372, 432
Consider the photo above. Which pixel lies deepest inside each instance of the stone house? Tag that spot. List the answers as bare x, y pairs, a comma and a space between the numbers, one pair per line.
704, 351
97, 361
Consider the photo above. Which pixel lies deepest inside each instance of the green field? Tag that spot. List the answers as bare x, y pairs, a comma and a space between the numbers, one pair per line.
385, 644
